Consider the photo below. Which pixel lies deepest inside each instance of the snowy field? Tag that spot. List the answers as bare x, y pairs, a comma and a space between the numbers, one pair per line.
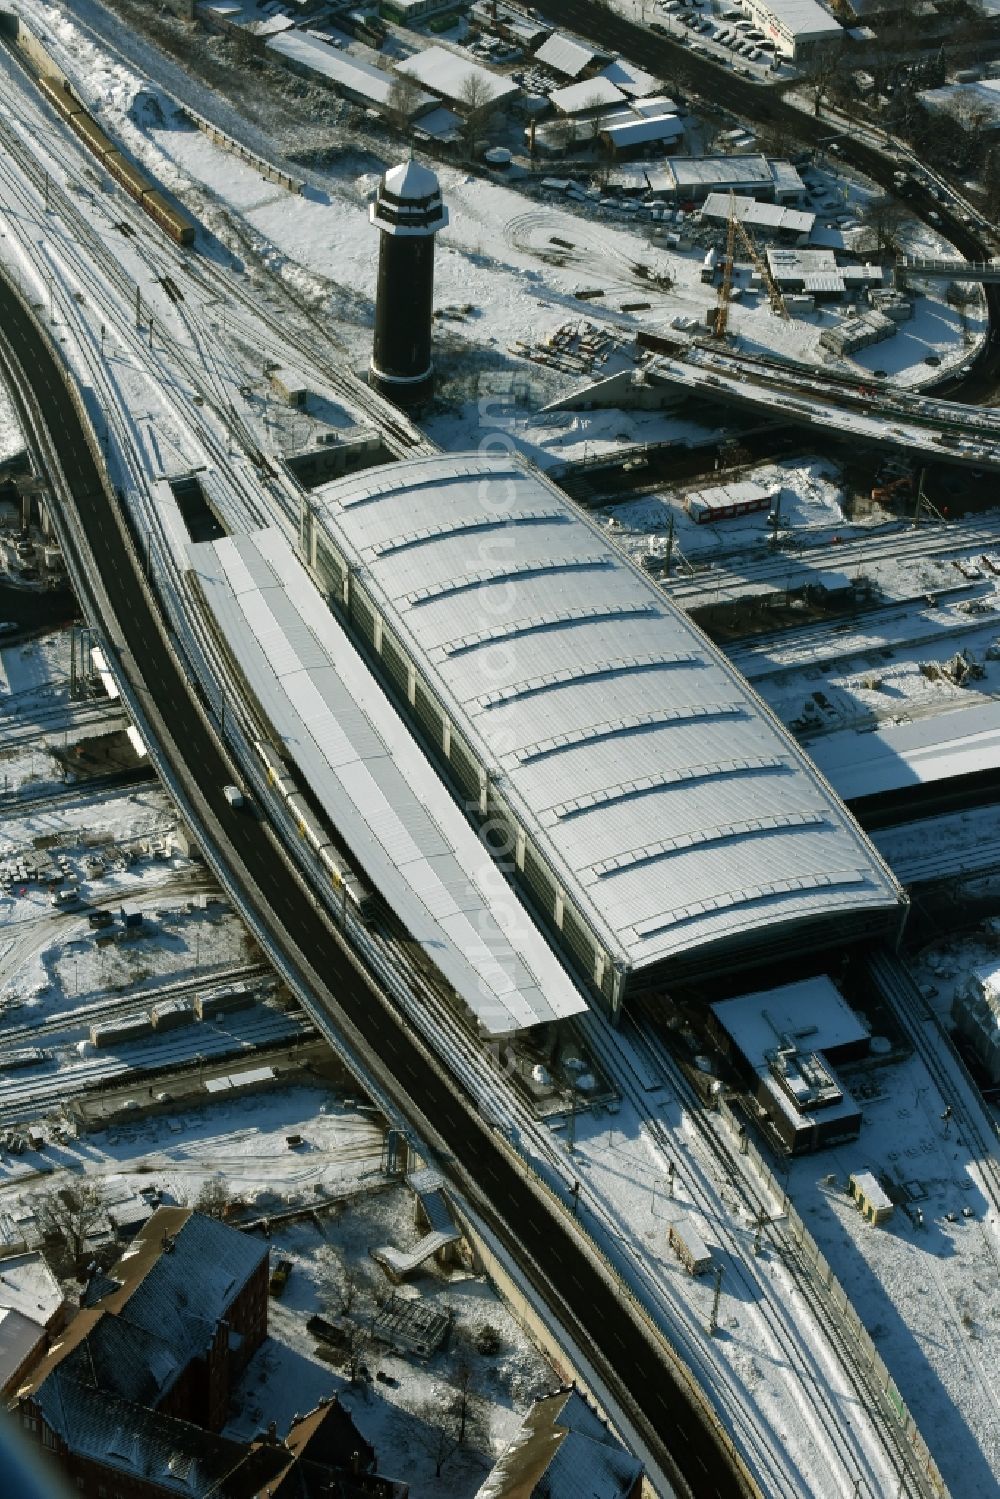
929, 1294
809, 501
244, 1147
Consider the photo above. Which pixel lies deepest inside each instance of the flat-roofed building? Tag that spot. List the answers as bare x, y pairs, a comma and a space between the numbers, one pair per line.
695, 177
457, 78
659, 819
352, 78
801, 29
773, 218
786, 1042
637, 134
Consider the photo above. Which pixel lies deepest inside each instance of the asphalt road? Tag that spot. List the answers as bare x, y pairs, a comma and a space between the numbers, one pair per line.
616, 1339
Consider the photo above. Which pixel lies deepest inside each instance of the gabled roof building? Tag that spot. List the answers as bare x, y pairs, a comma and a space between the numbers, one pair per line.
130, 1398
564, 1451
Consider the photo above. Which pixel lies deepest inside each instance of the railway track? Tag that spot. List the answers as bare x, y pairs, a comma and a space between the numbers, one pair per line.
815, 1295
26, 1098
958, 1091
955, 539
125, 1006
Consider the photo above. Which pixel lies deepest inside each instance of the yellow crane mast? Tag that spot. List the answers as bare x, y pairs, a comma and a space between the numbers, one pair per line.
726, 284
760, 265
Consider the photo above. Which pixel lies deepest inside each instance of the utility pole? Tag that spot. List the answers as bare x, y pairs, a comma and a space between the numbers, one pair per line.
103, 332
574, 1192
670, 1179
138, 307
571, 1126
918, 508
758, 1231
47, 206
713, 1319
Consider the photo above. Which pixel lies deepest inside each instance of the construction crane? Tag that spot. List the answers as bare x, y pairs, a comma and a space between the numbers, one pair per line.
760, 265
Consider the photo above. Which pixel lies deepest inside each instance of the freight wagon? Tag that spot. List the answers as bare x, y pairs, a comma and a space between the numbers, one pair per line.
114, 1032
689, 1247
134, 181
223, 1001
170, 1013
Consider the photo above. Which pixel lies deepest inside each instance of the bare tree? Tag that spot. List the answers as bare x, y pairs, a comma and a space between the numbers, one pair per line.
436, 1431
475, 97
468, 1408
823, 74
456, 1418
69, 1215
215, 1199
595, 121
402, 101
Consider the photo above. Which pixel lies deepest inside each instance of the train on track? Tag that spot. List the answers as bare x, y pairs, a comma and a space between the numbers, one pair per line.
344, 880
136, 184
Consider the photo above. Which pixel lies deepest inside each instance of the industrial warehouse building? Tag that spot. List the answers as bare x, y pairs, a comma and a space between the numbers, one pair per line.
801, 29
657, 818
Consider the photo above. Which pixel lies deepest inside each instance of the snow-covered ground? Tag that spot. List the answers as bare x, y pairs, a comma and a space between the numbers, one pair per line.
497, 257
244, 1147
928, 1293
810, 500
11, 441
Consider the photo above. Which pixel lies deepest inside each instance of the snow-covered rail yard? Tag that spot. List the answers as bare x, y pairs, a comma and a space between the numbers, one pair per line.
147, 1040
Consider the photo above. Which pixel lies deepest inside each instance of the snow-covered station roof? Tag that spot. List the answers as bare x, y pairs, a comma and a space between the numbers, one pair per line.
402, 827
672, 807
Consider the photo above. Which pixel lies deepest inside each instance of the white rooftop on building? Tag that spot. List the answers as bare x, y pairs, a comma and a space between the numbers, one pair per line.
673, 809
456, 78
811, 1013
412, 181
334, 723
351, 74
563, 54
802, 20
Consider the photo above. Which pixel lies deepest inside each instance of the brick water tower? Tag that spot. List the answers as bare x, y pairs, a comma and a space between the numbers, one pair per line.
407, 212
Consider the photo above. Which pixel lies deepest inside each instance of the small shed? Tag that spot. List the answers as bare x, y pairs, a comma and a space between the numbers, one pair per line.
872, 1200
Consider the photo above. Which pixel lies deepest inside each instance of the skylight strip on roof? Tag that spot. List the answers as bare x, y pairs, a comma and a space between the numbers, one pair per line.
794, 884
482, 522
459, 473
700, 837
487, 575
695, 712
568, 676
760, 764
586, 614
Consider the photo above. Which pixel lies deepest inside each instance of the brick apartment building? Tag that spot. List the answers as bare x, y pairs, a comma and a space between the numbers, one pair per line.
131, 1397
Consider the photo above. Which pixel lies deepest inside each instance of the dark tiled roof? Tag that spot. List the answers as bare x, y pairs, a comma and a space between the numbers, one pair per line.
148, 1445
158, 1307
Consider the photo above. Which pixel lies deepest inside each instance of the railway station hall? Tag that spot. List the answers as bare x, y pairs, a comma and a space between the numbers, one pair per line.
652, 814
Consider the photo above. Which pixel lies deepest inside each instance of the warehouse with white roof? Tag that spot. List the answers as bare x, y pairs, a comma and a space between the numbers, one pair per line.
801, 29
658, 818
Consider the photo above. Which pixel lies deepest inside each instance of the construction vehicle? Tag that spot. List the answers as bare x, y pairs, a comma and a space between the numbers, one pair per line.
883, 492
